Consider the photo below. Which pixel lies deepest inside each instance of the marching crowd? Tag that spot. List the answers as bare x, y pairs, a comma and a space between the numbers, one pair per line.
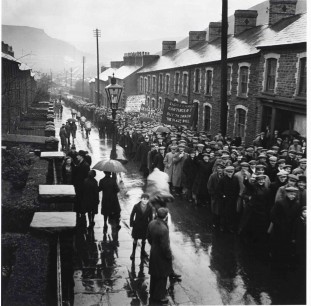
257, 192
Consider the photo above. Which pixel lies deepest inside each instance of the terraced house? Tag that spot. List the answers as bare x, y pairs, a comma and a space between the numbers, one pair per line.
266, 76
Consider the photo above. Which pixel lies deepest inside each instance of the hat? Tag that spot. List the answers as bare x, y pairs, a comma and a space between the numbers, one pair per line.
270, 152
296, 140
299, 153
279, 139
293, 177
249, 150
229, 169
259, 148
205, 154
276, 148
260, 176
244, 164
200, 145
302, 178
281, 161
252, 162
82, 153
303, 161
182, 141
259, 166
287, 166
262, 156
273, 158
162, 148
73, 146
173, 147
162, 212
212, 142
225, 155
225, 152
291, 189
219, 164
292, 151
173, 138
282, 173
181, 145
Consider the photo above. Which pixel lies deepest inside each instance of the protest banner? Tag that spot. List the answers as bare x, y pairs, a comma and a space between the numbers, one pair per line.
175, 113
133, 103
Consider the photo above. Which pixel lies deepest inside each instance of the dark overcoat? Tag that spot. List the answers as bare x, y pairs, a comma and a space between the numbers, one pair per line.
205, 169
160, 263
90, 196
213, 189
139, 220
189, 172
110, 201
158, 161
80, 173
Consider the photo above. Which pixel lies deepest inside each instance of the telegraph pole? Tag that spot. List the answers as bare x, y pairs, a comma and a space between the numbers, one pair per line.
224, 49
83, 78
97, 34
70, 78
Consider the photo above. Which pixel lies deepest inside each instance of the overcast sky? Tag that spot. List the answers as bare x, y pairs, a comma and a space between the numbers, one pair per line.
74, 20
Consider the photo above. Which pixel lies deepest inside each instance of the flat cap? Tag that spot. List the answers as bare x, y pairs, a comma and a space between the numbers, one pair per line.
293, 177
282, 173
291, 189
229, 169
162, 212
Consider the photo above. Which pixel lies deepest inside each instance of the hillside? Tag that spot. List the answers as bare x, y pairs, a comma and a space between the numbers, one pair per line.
40, 51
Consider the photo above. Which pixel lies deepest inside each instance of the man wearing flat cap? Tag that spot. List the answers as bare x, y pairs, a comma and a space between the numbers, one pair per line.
80, 173
229, 192
160, 263
178, 163
283, 215
302, 166
272, 168
291, 182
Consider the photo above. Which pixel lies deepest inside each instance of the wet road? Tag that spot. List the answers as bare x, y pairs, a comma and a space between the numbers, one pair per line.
216, 268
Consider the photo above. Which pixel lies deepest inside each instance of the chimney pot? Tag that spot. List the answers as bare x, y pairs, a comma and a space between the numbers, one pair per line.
214, 30
280, 9
244, 20
168, 46
196, 37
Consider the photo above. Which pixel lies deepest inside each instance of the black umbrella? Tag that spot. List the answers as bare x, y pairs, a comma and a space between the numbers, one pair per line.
290, 133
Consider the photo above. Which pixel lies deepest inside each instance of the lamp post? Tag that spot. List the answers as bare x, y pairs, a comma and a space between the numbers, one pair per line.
114, 92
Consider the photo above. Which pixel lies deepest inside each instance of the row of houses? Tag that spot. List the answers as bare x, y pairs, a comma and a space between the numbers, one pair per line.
266, 74
17, 91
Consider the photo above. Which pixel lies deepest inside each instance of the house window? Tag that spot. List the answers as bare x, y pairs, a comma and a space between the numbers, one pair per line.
148, 102
240, 122
141, 84
146, 84
302, 91
167, 83
243, 81
271, 74
197, 80
207, 118
185, 84
208, 82
153, 103
161, 82
229, 74
153, 84
149, 83
176, 84
160, 103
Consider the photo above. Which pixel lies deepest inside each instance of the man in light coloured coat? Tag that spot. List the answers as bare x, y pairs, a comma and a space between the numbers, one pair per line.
168, 164
178, 163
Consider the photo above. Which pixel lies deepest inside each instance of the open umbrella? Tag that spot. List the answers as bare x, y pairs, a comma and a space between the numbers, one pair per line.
290, 133
71, 120
161, 129
145, 119
110, 166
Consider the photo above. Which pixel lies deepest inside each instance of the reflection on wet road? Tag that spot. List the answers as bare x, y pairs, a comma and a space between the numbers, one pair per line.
216, 268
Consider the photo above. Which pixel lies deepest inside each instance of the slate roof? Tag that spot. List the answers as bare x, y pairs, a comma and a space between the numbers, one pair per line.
9, 57
125, 71
23, 66
291, 30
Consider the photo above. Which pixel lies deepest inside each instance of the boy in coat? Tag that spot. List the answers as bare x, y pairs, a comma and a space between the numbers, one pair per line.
140, 217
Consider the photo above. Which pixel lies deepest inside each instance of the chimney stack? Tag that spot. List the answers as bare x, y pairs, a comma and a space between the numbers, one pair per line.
196, 37
244, 20
168, 46
214, 30
280, 9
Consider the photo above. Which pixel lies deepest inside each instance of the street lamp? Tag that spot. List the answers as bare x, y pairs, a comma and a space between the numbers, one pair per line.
114, 92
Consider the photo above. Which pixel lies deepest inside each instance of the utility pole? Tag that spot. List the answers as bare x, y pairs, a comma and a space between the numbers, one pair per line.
66, 79
224, 49
97, 34
70, 78
83, 78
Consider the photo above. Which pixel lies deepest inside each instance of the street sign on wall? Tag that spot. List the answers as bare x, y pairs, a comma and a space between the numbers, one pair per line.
175, 113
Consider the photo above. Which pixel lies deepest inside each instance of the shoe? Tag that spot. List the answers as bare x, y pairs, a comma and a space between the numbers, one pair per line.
132, 257
175, 275
144, 255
